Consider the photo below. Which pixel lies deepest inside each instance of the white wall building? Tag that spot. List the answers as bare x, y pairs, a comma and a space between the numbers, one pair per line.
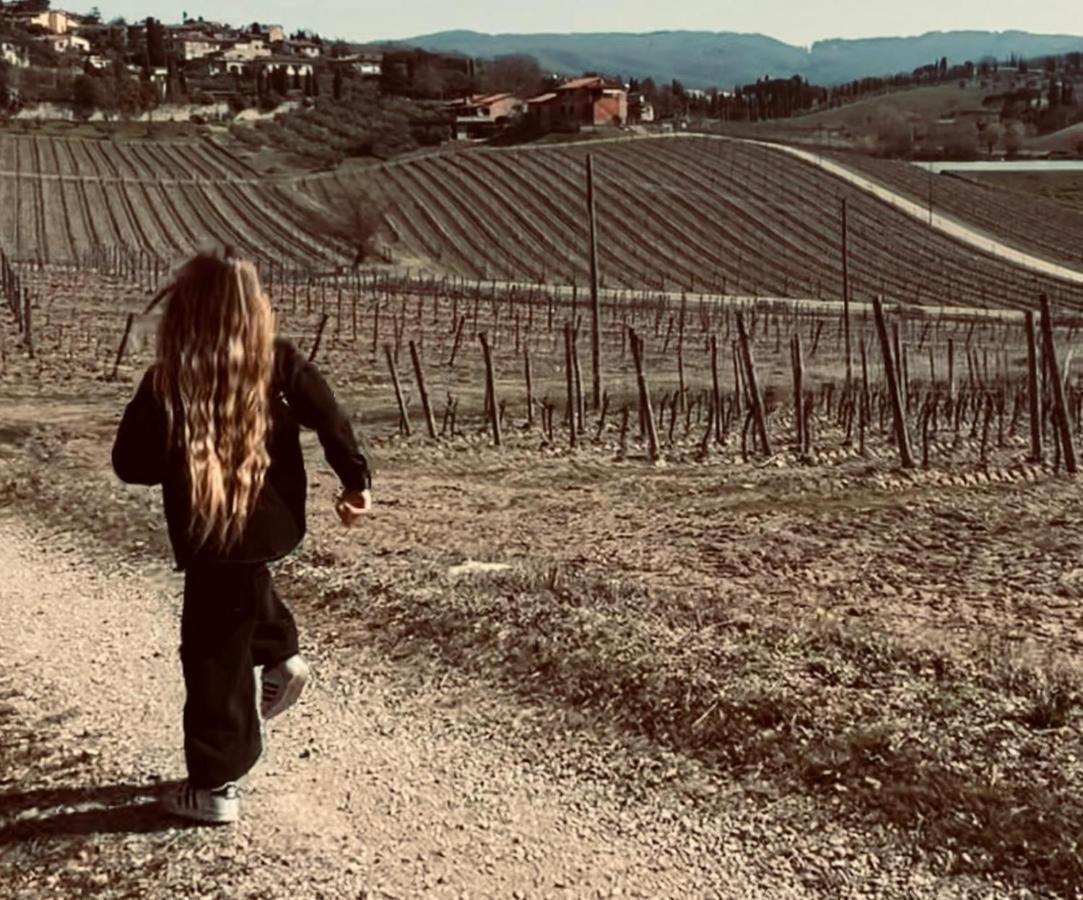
67, 43
55, 21
247, 50
369, 65
294, 67
301, 48
14, 55
190, 48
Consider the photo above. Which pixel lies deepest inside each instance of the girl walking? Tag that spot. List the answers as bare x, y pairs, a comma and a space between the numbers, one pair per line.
216, 422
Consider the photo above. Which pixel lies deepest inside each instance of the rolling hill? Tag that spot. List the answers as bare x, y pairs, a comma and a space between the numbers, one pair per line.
691, 214
704, 59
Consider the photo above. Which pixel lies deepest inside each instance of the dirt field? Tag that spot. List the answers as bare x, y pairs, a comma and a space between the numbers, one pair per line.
556, 671
881, 669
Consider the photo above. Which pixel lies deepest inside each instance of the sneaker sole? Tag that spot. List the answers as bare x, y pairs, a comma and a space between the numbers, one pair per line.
291, 692
197, 815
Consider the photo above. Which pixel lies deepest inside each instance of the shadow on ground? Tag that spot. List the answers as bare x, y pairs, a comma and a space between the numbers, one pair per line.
84, 811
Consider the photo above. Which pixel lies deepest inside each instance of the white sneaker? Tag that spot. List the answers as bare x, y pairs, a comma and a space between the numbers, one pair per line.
281, 685
217, 806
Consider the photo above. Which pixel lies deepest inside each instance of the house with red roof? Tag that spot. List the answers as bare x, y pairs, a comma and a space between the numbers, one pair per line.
482, 115
580, 103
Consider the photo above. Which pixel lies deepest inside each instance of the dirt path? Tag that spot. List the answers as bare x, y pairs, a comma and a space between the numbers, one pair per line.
367, 791
363, 790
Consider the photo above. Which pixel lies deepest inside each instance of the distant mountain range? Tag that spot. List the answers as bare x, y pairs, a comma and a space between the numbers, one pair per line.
724, 59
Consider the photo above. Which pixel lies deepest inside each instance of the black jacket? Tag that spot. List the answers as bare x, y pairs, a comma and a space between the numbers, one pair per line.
144, 453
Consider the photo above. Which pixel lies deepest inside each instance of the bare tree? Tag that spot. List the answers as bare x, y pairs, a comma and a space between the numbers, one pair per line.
890, 135
991, 136
354, 218
515, 73
1014, 134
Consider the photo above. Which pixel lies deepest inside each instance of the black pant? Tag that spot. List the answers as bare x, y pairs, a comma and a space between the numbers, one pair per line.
232, 621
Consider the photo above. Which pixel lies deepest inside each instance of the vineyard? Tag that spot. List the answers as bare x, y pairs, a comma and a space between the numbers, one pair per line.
694, 215
1041, 226
822, 552
66, 201
679, 377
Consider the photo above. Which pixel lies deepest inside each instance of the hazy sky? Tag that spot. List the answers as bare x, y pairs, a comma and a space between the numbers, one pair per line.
795, 21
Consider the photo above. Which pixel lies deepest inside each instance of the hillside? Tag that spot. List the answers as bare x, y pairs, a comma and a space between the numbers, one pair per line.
704, 59
700, 215
1067, 140
1011, 205
927, 103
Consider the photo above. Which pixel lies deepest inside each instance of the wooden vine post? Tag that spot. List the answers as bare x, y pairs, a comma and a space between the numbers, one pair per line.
404, 420
646, 414
902, 436
1034, 403
319, 337
951, 369
1062, 425
28, 327
846, 296
458, 340
755, 398
681, 393
419, 375
569, 377
123, 345
716, 393
580, 400
490, 388
798, 393
529, 387
595, 307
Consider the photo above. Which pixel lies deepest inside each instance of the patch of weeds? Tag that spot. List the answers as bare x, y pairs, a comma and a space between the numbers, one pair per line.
1051, 704
987, 825
812, 706
1050, 692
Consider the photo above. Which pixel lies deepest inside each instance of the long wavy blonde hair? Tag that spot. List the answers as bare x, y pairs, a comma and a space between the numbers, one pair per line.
215, 362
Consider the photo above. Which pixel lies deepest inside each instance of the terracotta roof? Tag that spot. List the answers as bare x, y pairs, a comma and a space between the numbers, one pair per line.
542, 98
576, 83
481, 99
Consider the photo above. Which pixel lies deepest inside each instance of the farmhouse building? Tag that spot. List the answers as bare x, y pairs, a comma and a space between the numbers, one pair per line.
247, 49
54, 21
369, 65
640, 110
195, 46
582, 102
482, 115
309, 49
66, 43
273, 34
295, 68
14, 55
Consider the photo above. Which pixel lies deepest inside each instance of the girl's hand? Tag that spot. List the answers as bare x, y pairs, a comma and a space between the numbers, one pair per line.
352, 505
